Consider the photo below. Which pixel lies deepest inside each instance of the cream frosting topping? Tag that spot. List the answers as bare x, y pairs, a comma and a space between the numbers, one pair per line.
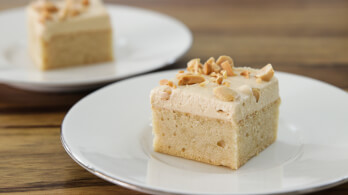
90, 18
200, 100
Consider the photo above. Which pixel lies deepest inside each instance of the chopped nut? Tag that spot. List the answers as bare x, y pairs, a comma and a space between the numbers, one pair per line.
204, 83
246, 74
165, 94
224, 93
207, 68
216, 68
256, 93
222, 59
213, 74
181, 71
163, 82
170, 83
45, 5
266, 73
85, 2
245, 89
44, 16
74, 12
63, 14
50, 7
224, 74
219, 80
167, 82
190, 79
194, 65
227, 66
258, 80
226, 83
211, 60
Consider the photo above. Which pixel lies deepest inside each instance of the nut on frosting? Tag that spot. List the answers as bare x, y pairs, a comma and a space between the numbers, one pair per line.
69, 8
216, 75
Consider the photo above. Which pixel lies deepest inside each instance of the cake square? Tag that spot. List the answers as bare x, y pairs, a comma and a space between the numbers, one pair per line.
216, 113
69, 33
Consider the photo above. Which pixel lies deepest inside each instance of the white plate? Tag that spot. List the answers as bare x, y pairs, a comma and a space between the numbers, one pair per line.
144, 41
109, 134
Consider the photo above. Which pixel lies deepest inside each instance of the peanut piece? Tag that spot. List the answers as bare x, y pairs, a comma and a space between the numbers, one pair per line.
222, 59
246, 74
163, 82
194, 65
227, 84
85, 2
44, 16
216, 68
266, 73
190, 79
224, 93
256, 93
207, 69
227, 66
219, 79
165, 94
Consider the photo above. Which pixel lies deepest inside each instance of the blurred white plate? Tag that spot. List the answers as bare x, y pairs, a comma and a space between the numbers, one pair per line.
109, 134
144, 41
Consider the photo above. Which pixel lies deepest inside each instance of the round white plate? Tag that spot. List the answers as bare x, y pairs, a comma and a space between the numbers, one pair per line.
143, 41
109, 134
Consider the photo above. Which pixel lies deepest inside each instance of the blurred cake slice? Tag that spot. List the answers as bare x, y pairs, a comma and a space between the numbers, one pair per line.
216, 113
69, 33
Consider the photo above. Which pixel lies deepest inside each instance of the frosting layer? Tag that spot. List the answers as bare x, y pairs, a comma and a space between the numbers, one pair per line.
90, 18
200, 100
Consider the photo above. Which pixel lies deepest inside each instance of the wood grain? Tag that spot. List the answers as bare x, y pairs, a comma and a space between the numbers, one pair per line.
306, 37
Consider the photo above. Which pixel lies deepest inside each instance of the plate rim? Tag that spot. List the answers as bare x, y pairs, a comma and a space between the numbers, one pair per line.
155, 190
107, 79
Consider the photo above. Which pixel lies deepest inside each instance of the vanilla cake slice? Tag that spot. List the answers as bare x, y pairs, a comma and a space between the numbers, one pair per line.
216, 113
66, 33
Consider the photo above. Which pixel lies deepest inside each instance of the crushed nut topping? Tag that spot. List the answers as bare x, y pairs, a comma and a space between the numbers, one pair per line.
167, 82
226, 65
222, 59
246, 74
74, 12
256, 93
224, 74
194, 66
216, 68
207, 69
44, 5
224, 93
226, 83
72, 8
85, 2
208, 66
163, 82
219, 79
44, 16
165, 94
190, 79
213, 74
204, 83
266, 73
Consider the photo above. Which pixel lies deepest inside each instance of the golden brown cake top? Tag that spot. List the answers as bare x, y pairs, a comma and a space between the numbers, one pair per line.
217, 88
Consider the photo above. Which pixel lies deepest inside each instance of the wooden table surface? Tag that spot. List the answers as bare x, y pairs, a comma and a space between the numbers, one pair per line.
302, 36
